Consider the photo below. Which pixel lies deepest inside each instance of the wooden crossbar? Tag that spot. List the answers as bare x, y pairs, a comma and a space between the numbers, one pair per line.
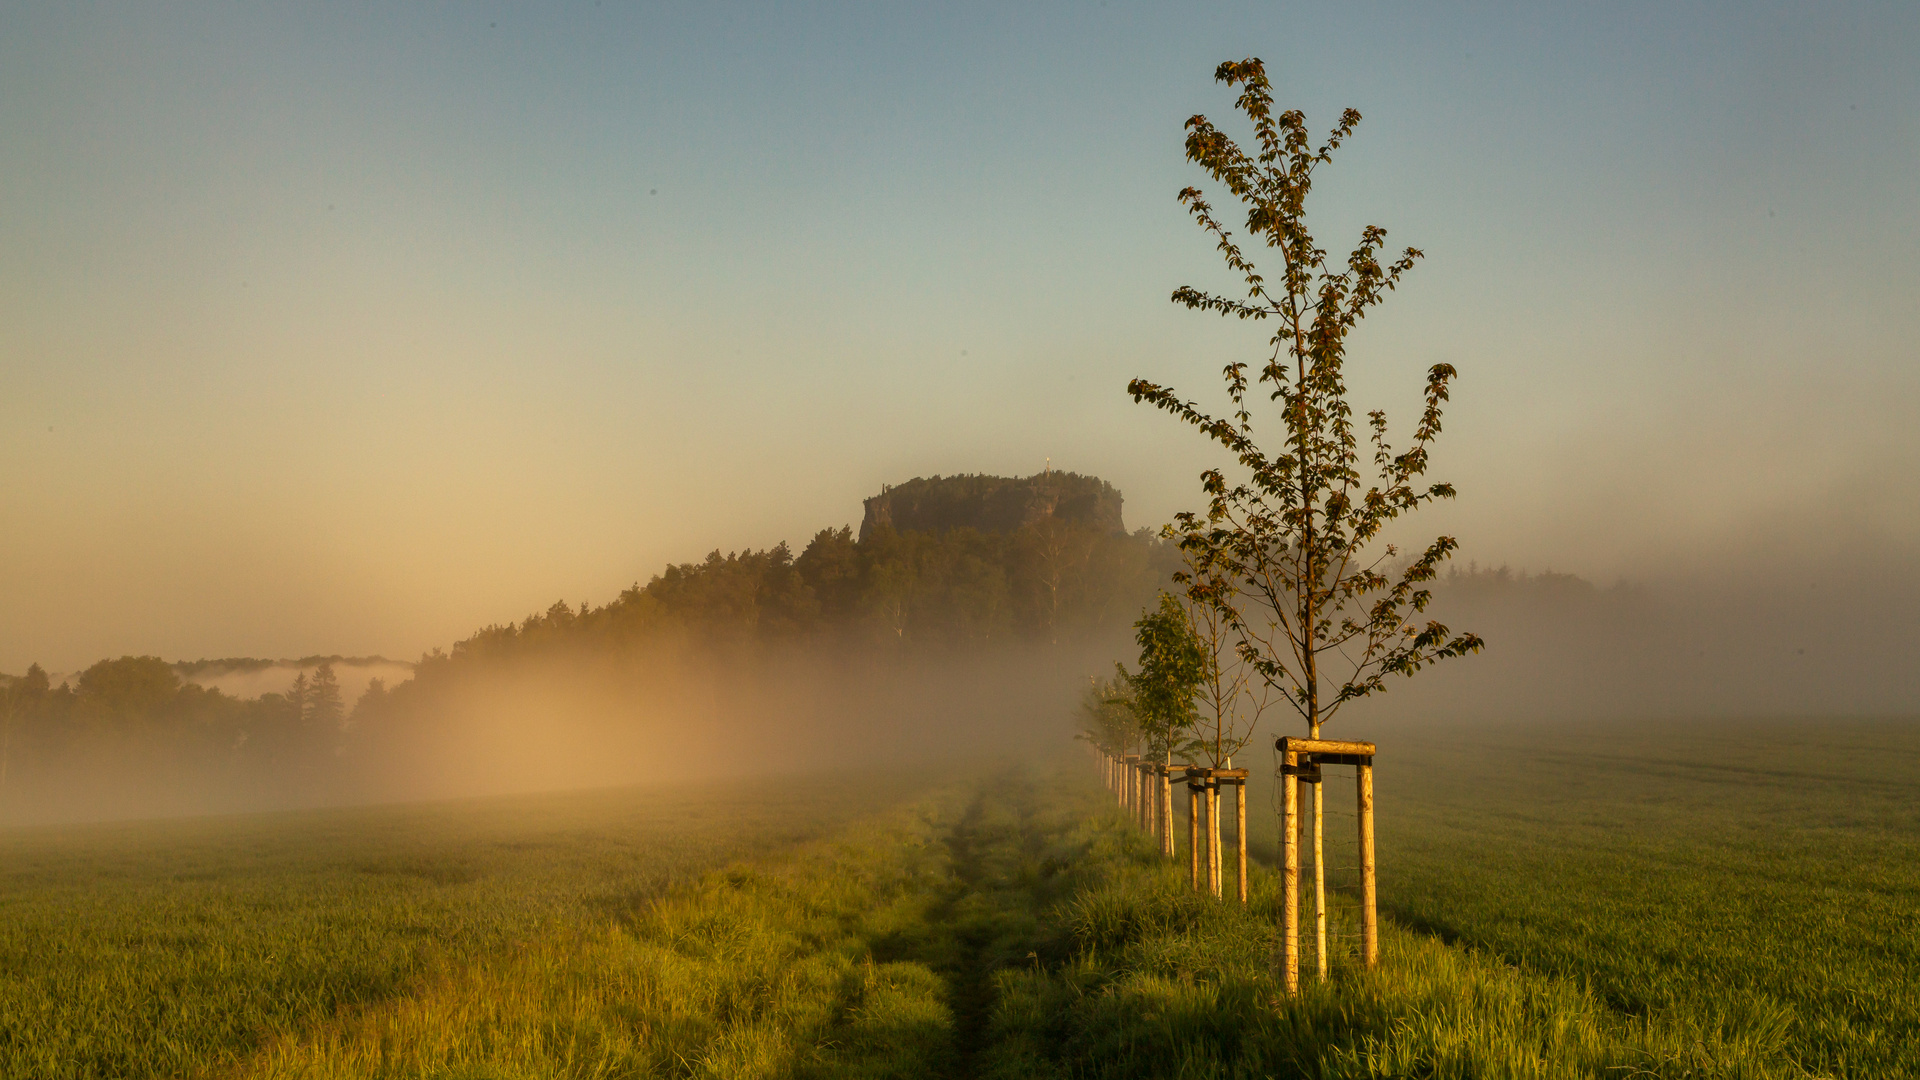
1201, 772
1286, 744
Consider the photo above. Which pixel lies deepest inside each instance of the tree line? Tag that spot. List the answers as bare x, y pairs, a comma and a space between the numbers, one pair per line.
135, 718
890, 598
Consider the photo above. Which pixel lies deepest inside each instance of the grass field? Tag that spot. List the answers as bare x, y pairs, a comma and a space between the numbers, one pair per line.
1592, 903
1765, 873
188, 948
1763, 876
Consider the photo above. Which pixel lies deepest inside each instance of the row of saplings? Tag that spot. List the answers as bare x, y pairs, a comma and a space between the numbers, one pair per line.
1144, 790
1138, 722
1188, 699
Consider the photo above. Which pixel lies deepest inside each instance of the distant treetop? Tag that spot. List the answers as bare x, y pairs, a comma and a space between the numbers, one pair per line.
995, 504
190, 668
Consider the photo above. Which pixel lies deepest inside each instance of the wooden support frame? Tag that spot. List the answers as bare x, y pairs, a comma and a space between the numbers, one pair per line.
1207, 862
1144, 790
1300, 762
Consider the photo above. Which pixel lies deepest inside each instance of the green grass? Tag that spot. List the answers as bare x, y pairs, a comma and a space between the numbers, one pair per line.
1756, 873
1714, 868
1570, 903
1135, 976
191, 947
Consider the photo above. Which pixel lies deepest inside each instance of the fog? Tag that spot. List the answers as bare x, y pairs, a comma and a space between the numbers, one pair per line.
1838, 643
1796, 641
802, 710
277, 678
664, 715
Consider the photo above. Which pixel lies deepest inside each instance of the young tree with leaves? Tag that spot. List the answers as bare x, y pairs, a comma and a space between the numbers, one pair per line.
1172, 667
1106, 722
1323, 613
1230, 699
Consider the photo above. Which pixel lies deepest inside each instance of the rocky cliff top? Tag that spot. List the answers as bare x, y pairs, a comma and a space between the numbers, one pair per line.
999, 504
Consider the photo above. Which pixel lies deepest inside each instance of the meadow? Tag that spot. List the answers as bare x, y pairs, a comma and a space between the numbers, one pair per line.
1762, 875
1694, 900
197, 947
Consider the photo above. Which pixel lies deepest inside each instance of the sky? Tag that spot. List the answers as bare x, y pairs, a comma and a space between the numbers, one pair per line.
354, 327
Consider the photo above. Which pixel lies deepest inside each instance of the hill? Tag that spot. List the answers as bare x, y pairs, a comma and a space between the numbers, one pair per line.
995, 504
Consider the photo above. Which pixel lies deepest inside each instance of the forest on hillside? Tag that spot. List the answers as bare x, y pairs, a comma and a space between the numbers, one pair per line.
878, 624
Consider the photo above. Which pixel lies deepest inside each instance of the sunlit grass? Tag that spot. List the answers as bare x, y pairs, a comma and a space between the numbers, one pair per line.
1595, 915
1160, 982
1757, 875
188, 948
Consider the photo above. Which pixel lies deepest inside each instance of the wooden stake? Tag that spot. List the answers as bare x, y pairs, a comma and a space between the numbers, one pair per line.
1213, 837
1140, 794
1369, 920
1290, 874
1206, 835
1319, 880
1158, 779
1148, 816
1240, 833
1167, 846
1193, 834
1153, 780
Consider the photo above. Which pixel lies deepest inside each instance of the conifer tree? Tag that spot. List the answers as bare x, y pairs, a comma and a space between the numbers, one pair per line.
324, 708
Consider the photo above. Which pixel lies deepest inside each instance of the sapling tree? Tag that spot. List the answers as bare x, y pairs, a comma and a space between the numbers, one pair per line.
1296, 529
1173, 665
1231, 698
1106, 719
1323, 609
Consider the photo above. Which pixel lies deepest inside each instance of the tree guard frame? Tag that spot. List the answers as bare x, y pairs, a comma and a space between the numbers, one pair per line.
1207, 867
1300, 763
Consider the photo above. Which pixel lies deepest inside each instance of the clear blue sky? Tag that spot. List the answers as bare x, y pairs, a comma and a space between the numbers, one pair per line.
353, 327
